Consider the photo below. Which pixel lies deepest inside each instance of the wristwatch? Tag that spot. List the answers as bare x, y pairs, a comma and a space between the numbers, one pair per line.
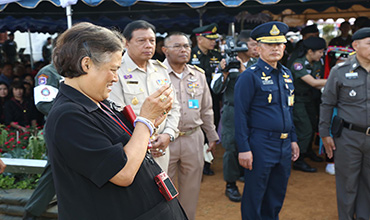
172, 138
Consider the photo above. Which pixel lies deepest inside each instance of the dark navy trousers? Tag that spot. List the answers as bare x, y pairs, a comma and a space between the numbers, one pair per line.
265, 185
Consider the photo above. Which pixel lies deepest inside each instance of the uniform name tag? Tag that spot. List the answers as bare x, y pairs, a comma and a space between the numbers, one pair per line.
268, 82
353, 75
193, 103
132, 82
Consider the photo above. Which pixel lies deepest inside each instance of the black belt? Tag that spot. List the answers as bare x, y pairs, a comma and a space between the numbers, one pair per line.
356, 128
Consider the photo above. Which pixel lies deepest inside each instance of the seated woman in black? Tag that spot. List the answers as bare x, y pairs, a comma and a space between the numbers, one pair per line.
19, 111
101, 165
4, 96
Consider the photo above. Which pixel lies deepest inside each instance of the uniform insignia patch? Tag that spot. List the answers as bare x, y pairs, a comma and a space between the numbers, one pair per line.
193, 85
45, 92
192, 79
127, 76
288, 80
298, 66
195, 60
162, 82
42, 79
274, 30
135, 101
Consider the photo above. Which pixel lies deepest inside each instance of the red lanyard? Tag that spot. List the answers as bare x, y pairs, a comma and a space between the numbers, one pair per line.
119, 122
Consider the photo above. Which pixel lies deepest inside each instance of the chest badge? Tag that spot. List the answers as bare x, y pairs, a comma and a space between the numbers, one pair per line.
135, 101
162, 82
352, 93
127, 76
264, 77
192, 79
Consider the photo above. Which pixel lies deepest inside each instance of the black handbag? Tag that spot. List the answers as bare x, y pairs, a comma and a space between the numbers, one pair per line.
337, 126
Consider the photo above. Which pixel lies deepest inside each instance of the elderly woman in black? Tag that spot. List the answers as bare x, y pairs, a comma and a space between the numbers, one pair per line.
100, 161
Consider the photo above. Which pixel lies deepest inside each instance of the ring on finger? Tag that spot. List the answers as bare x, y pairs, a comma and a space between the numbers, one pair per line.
164, 112
162, 98
163, 153
160, 151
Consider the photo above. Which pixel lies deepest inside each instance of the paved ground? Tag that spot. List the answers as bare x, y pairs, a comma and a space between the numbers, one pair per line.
310, 196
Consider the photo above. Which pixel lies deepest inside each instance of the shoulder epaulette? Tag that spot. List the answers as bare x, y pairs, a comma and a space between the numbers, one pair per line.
160, 63
197, 68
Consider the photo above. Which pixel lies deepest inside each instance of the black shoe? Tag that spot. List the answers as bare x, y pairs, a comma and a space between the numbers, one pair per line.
232, 192
303, 166
314, 157
28, 216
207, 171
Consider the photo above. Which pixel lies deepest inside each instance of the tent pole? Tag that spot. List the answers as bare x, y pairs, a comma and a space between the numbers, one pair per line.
69, 16
201, 12
31, 51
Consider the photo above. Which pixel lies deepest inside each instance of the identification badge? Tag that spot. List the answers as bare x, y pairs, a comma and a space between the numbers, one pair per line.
268, 82
291, 100
353, 75
193, 103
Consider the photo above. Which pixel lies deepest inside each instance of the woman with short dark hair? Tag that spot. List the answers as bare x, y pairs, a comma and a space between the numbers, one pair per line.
19, 111
101, 165
306, 70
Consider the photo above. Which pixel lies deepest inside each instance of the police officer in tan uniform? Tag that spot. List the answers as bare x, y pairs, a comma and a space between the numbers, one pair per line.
139, 76
348, 89
186, 152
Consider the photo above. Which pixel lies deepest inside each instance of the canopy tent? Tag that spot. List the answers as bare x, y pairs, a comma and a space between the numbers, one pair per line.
175, 15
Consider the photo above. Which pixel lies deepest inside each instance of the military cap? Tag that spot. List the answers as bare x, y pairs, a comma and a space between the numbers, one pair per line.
314, 43
208, 31
310, 29
270, 33
361, 33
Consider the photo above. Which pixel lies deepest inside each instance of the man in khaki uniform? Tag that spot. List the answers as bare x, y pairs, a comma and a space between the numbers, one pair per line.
196, 114
139, 76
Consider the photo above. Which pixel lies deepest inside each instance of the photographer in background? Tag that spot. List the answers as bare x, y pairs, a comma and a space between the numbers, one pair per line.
237, 60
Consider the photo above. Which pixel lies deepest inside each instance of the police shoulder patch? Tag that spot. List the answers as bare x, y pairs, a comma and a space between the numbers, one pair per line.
298, 66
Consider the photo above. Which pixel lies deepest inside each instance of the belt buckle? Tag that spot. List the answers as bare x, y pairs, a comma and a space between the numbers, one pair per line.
284, 136
367, 131
181, 133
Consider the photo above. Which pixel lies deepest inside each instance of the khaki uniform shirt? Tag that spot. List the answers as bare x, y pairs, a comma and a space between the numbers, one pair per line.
192, 89
135, 84
348, 89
